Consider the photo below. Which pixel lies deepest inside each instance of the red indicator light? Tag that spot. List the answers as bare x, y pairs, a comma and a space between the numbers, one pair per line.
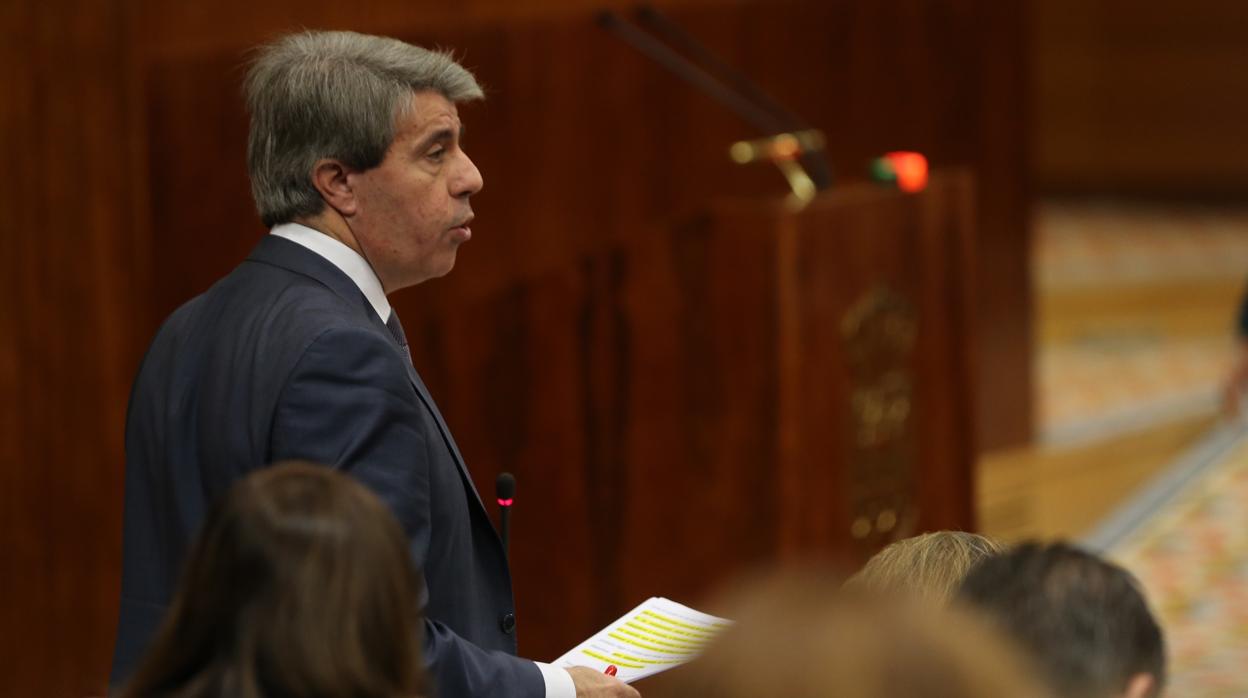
505, 502
910, 169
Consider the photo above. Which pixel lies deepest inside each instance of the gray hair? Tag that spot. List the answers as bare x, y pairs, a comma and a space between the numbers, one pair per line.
338, 95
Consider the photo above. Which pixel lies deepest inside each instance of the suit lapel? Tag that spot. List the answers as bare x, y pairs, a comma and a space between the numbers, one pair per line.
280, 252
432, 406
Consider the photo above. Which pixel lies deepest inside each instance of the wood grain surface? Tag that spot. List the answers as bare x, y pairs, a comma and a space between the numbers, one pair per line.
124, 127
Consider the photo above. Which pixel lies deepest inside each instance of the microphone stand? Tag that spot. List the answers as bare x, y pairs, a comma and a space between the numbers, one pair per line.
805, 168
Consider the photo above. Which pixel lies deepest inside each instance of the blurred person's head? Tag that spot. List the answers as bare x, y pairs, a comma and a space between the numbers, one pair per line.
1084, 620
802, 637
929, 566
299, 585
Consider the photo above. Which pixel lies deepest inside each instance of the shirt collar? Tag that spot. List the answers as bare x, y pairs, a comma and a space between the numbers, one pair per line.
346, 259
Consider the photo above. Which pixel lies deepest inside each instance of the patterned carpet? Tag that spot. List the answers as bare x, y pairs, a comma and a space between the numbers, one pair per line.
1096, 389
1094, 243
1135, 306
1192, 558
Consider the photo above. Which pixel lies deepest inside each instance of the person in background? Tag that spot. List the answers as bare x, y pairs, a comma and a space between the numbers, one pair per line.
299, 586
800, 636
1083, 620
1236, 386
928, 566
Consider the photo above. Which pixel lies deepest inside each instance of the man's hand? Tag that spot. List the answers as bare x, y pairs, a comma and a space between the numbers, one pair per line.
593, 684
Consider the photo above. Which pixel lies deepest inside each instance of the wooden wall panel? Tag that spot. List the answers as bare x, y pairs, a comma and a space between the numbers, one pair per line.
1141, 97
72, 311
1001, 268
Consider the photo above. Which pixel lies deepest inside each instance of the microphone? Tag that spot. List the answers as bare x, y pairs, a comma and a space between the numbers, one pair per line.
704, 70
505, 490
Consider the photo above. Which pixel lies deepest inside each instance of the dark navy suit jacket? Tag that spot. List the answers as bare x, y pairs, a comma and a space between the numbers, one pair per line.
285, 358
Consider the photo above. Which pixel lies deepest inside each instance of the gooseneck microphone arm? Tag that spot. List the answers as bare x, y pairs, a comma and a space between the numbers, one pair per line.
676, 36
741, 96
685, 69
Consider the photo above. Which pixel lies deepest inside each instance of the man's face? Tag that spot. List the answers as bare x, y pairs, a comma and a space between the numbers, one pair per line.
412, 210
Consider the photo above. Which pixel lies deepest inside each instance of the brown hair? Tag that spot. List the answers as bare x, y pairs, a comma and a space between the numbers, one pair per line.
930, 566
1084, 620
299, 585
801, 637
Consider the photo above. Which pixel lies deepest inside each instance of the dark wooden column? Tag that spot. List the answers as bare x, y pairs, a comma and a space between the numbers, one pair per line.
73, 312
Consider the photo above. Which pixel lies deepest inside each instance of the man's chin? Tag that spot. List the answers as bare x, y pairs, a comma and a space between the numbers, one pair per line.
428, 271
444, 266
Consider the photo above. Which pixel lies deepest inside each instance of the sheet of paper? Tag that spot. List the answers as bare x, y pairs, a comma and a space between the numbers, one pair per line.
656, 636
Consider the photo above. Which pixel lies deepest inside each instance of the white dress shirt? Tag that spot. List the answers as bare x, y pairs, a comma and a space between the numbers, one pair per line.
346, 259
558, 682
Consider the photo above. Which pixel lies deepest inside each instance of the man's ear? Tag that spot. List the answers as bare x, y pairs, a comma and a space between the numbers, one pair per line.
1140, 686
330, 177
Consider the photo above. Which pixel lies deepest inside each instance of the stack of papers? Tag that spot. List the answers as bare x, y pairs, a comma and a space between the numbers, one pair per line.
656, 636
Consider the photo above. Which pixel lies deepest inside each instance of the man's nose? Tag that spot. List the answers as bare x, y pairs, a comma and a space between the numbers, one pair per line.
468, 180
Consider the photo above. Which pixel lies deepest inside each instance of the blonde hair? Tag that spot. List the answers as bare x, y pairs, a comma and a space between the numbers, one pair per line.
800, 637
930, 566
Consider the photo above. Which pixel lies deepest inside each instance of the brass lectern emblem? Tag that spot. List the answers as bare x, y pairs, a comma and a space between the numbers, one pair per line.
878, 334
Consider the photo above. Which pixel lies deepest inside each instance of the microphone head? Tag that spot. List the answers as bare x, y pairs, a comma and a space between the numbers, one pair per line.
505, 487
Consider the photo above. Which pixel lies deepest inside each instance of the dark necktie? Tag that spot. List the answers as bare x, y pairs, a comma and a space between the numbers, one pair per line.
396, 329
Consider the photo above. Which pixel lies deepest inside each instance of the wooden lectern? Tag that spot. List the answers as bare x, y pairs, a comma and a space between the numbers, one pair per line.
751, 385
806, 374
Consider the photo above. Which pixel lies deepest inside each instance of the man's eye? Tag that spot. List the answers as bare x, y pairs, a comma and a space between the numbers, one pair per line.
436, 154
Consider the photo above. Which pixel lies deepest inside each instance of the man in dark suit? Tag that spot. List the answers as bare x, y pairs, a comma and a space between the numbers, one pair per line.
355, 162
